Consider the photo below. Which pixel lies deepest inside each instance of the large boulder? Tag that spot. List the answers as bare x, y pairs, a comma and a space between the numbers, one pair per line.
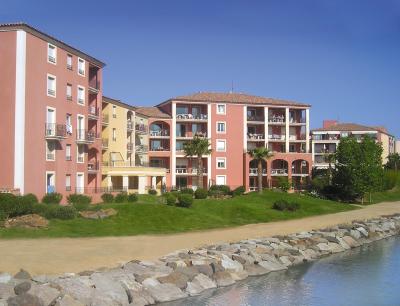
6, 291
223, 278
165, 292
200, 283
231, 265
177, 278
67, 300
350, 241
46, 294
272, 265
76, 288
255, 269
5, 278
32, 221
25, 299
22, 288
110, 288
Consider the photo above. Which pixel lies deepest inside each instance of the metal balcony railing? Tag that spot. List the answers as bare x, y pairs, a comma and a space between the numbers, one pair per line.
93, 111
251, 136
51, 92
85, 136
192, 117
141, 128
55, 131
276, 137
279, 171
276, 119
129, 125
254, 171
159, 148
255, 118
93, 166
94, 85
52, 59
160, 133
141, 148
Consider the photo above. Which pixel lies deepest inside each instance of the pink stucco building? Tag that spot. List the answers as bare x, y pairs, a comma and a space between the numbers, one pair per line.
50, 95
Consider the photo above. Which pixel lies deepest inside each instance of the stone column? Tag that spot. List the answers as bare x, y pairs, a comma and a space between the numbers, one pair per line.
266, 126
287, 130
142, 180
307, 130
173, 145
109, 183
125, 182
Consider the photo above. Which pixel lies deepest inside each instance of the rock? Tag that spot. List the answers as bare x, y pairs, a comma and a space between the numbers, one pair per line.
138, 295
110, 288
323, 247
239, 275
22, 274
6, 291
32, 221
217, 267
200, 283
309, 254
5, 278
205, 269
272, 265
98, 214
76, 288
285, 260
231, 265
43, 279
363, 231
165, 292
22, 288
178, 279
343, 244
223, 278
46, 294
332, 239
67, 300
355, 234
350, 241
190, 272
176, 263
25, 299
254, 270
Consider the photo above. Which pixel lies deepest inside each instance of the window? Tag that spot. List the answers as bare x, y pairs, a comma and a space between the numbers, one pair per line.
182, 110
50, 181
68, 182
81, 67
68, 124
221, 109
81, 95
81, 154
114, 111
220, 180
51, 85
221, 163
221, 127
114, 134
68, 152
69, 62
51, 54
69, 92
221, 145
50, 150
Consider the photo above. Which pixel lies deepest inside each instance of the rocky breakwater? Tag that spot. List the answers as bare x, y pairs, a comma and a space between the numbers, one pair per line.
190, 272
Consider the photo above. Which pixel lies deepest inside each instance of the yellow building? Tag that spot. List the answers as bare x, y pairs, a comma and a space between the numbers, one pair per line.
124, 150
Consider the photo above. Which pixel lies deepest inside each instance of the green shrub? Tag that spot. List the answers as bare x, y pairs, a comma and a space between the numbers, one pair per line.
7, 197
52, 198
22, 206
79, 201
40, 209
121, 197
238, 191
185, 200
201, 193
187, 191
31, 198
390, 179
61, 212
170, 198
283, 184
133, 197
107, 197
219, 190
283, 205
152, 191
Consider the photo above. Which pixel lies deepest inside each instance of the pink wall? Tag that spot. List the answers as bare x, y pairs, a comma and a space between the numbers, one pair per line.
7, 105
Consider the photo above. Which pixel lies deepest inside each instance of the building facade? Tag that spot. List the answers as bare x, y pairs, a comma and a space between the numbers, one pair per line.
51, 101
326, 139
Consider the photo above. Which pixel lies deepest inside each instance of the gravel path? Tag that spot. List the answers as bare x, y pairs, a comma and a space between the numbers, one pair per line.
59, 255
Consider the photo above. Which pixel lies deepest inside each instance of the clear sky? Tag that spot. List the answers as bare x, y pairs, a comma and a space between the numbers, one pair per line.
341, 56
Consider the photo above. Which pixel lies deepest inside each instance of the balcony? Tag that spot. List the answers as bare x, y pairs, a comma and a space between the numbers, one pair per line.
159, 148
129, 125
54, 131
104, 143
255, 118
141, 149
279, 172
276, 137
85, 136
191, 135
51, 156
129, 147
296, 121
52, 59
190, 117
105, 119
254, 171
94, 86
188, 171
297, 138
159, 134
255, 137
93, 112
141, 128
277, 119
93, 167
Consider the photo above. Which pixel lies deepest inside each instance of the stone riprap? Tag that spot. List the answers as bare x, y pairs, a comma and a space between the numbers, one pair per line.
189, 272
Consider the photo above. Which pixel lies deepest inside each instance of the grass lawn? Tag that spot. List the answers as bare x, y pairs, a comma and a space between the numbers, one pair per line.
150, 216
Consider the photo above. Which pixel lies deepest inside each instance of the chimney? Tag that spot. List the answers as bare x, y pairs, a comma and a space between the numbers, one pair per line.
329, 123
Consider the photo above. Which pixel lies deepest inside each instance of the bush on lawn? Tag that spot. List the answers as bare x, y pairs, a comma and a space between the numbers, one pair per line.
30, 198
79, 201
133, 197
121, 197
219, 190
52, 198
7, 203
238, 191
201, 193
283, 184
107, 197
61, 212
40, 209
187, 191
283, 205
170, 198
152, 191
185, 200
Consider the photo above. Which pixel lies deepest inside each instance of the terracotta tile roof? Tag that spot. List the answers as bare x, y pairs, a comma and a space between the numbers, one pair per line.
343, 127
153, 112
51, 39
240, 98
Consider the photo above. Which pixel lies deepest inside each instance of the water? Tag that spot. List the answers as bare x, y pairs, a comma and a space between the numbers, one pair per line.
369, 275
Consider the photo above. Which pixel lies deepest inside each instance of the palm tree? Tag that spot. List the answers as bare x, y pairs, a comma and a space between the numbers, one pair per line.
260, 154
329, 158
198, 147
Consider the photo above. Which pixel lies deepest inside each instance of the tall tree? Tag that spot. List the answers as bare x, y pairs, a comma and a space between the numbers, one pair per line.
393, 162
330, 158
260, 154
197, 148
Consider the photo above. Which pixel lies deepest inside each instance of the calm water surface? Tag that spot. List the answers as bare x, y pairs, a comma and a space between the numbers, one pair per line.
369, 275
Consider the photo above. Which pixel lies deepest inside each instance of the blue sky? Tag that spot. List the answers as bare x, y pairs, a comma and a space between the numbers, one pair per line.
341, 56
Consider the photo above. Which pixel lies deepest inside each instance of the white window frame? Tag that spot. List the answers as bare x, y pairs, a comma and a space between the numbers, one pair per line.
220, 159
49, 46
114, 134
216, 128
55, 85
80, 87
114, 111
78, 155
47, 150
66, 181
45, 180
84, 66
68, 145
216, 179
216, 145
221, 113
70, 93
69, 66
76, 182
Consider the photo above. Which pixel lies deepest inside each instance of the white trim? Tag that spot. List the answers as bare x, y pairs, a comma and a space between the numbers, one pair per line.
216, 127
287, 131
45, 183
221, 175
224, 112
19, 127
77, 153
76, 182
266, 126
54, 151
47, 85
218, 159
209, 133
48, 55
307, 130
173, 145
84, 95
216, 146
84, 66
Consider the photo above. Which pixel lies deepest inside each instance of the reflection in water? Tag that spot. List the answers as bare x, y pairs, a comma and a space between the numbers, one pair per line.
369, 275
